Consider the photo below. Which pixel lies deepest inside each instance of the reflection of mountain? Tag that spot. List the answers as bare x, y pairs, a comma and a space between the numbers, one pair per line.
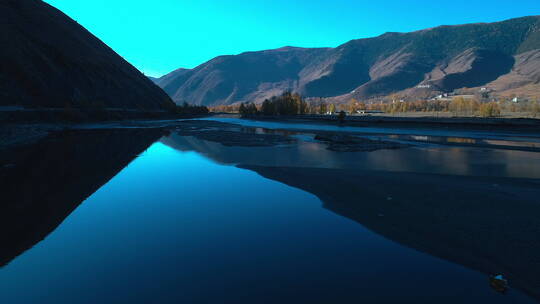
485, 223
488, 224
44, 183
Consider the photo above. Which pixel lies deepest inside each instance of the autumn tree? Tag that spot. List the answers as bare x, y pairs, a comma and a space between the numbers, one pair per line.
361, 106
490, 109
323, 108
248, 109
332, 108
286, 104
353, 104
534, 108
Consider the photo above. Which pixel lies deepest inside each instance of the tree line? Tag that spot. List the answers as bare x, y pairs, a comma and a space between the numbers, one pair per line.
293, 104
187, 109
287, 103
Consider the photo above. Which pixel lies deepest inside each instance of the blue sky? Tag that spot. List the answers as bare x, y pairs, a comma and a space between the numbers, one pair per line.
162, 35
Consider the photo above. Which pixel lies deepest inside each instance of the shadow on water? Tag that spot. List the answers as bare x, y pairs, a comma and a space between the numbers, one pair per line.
43, 183
471, 208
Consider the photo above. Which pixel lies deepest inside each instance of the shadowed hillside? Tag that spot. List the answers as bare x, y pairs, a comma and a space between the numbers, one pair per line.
48, 60
445, 58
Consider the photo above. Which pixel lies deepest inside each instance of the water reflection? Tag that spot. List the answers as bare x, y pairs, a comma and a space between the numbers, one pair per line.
427, 131
43, 183
447, 201
310, 153
488, 143
174, 227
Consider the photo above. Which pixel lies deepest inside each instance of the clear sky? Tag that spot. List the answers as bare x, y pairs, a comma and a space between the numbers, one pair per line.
158, 36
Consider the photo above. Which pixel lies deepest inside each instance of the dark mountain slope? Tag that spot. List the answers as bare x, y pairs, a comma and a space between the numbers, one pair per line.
48, 60
446, 58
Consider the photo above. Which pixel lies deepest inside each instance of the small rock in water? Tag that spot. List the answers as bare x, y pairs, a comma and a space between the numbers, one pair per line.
499, 283
380, 215
9, 166
389, 198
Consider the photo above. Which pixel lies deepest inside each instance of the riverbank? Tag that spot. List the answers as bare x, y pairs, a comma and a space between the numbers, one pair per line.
458, 123
20, 127
73, 115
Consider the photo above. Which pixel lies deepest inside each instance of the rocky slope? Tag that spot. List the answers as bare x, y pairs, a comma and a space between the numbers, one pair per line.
48, 60
502, 54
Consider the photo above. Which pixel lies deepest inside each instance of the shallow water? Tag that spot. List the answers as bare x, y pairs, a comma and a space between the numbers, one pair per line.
177, 225
467, 161
428, 131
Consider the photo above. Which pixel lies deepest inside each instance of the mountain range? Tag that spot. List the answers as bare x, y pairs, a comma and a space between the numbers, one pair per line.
49, 60
504, 56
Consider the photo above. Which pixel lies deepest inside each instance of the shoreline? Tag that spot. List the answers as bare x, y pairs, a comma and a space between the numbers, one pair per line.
71, 116
28, 127
457, 123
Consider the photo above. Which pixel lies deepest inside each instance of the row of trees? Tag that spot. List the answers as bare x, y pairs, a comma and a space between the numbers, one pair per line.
248, 109
286, 104
293, 104
459, 107
187, 109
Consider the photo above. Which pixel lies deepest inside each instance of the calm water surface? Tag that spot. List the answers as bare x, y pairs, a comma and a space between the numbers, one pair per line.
177, 227
428, 131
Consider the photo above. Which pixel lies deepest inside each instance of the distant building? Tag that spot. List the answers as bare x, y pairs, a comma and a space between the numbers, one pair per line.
441, 97
515, 100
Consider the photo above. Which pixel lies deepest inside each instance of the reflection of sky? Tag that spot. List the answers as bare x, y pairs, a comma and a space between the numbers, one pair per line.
173, 227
